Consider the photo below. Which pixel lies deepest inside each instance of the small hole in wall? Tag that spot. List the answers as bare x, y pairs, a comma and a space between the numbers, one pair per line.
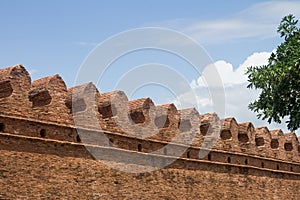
288, 146
78, 138
274, 143
188, 155
262, 165
137, 117
5, 89
139, 147
229, 160
1, 127
243, 138
107, 111
225, 135
277, 167
209, 157
42, 133
246, 161
291, 169
260, 141
111, 142
204, 128
39, 97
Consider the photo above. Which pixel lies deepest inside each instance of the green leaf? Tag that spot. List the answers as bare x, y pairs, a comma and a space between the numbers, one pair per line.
279, 80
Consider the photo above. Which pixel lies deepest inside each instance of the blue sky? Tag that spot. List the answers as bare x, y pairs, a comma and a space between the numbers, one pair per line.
50, 37
55, 36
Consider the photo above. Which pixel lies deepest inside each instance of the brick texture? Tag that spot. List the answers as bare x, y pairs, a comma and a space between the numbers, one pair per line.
65, 143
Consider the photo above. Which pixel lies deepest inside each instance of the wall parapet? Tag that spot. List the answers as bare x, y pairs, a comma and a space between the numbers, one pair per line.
130, 144
46, 109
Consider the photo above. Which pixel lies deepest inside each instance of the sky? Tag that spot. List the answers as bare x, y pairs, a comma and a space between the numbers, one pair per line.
56, 37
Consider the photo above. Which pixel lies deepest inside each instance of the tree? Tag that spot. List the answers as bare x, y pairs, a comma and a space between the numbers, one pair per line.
279, 80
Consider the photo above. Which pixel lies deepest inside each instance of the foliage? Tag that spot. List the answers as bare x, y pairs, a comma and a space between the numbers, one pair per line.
279, 80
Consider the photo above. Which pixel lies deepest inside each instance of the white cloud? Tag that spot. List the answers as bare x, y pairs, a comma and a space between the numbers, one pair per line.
259, 20
237, 95
270, 9
226, 71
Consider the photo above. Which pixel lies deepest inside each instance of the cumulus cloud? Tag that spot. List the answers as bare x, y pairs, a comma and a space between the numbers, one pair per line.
237, 95
226, 71
258, 21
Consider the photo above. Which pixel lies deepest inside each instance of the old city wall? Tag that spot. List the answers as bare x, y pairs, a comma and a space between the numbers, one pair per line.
39, 117
33, 167
48, 103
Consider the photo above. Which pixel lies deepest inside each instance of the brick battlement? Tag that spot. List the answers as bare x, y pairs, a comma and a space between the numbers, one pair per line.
45, 109
66, 143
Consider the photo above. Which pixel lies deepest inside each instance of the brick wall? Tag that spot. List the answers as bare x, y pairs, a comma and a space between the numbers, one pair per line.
39, 117
41, 168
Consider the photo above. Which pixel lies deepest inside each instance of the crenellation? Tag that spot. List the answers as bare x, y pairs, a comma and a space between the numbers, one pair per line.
139, 110
229, 129
277, 144
209, 124
263, 141
246, 137
141, 116
229, 134
291, 146
113, 110
82, 105
210, 128
188, 127
163, 114
47, 96
18, 77
15, 83
166, 121
45, 110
